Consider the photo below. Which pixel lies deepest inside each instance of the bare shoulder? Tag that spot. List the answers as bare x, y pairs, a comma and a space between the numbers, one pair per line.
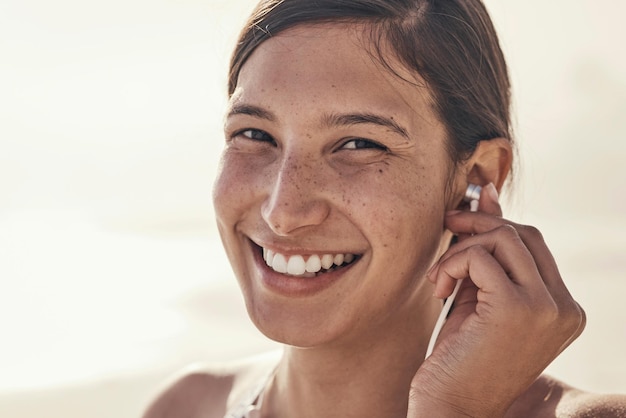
207, 390
551, 398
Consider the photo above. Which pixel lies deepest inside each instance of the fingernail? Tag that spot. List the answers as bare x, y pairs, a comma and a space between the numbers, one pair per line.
492, 192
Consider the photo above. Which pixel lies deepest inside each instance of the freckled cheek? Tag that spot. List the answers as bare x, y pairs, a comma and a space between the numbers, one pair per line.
235, 188
374, 203
392, 209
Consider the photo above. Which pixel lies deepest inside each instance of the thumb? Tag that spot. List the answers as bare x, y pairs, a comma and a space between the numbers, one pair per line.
489, 202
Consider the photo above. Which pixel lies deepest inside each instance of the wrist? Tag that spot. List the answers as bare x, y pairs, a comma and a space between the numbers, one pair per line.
423, 406
429, 397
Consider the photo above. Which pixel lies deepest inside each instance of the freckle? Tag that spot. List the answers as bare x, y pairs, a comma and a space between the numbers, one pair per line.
380, 170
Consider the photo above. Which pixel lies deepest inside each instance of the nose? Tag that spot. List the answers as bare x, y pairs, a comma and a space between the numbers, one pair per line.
295, 199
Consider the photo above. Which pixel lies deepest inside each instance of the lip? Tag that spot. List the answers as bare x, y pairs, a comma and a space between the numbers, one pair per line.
292, 286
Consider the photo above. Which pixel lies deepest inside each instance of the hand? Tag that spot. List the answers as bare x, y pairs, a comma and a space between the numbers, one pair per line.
511, 318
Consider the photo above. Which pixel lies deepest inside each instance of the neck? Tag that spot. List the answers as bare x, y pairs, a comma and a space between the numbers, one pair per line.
370, 377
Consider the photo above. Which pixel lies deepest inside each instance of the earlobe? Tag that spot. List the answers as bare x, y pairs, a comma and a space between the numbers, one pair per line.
490, 162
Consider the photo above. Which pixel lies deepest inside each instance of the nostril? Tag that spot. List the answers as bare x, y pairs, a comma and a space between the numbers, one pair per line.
286, 218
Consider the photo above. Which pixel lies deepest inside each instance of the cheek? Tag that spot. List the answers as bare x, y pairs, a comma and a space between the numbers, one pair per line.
402, 213
397, 198
234, 188
223, 194
233, 195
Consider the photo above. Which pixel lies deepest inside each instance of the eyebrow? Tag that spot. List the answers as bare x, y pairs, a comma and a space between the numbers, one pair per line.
251, 110
331, 120
365, 118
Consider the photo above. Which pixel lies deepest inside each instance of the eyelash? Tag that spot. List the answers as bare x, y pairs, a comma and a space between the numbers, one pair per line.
365, 144
358, 143
251, 136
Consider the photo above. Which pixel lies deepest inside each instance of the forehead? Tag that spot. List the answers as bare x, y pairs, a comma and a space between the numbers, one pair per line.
335, 64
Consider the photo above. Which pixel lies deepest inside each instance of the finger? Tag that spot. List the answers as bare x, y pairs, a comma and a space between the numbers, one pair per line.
471, 223
463, 306
479, 223
489, 202
476, 263
572, 315
507, 248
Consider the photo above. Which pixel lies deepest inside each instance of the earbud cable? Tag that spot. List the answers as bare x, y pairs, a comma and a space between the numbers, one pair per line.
448, 305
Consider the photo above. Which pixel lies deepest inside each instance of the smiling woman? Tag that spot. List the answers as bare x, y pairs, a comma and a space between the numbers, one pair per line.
311, 192
354, 129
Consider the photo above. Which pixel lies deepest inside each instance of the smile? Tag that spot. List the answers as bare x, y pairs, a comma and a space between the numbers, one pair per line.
306, 265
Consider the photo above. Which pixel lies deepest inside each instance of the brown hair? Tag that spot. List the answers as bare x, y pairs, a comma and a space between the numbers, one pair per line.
451, 44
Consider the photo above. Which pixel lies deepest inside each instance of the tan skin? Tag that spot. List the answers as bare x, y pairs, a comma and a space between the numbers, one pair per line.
328, 152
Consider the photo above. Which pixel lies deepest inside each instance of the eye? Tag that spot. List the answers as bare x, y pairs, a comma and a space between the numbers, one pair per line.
256, 135
360, 143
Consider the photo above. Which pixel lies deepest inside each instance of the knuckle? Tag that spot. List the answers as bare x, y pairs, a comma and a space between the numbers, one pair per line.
531, 232
583, 318
571, 318
476, 250
551, 314
577, 319
507, 231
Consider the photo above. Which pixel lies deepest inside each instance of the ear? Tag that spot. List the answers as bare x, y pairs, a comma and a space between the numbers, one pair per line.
490, 162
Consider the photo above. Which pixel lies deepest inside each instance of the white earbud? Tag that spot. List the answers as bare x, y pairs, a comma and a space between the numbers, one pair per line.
472, 195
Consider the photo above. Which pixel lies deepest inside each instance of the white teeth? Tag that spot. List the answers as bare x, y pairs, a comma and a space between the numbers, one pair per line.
279, 263
327, 261
295, 265
313, 264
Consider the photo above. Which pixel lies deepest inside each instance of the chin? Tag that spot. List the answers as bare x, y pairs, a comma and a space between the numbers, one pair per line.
299, 327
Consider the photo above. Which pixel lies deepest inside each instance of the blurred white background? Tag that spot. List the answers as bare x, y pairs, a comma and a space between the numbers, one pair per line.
111, 272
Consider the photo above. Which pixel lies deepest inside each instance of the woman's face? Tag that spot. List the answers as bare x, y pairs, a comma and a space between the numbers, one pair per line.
336, 171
